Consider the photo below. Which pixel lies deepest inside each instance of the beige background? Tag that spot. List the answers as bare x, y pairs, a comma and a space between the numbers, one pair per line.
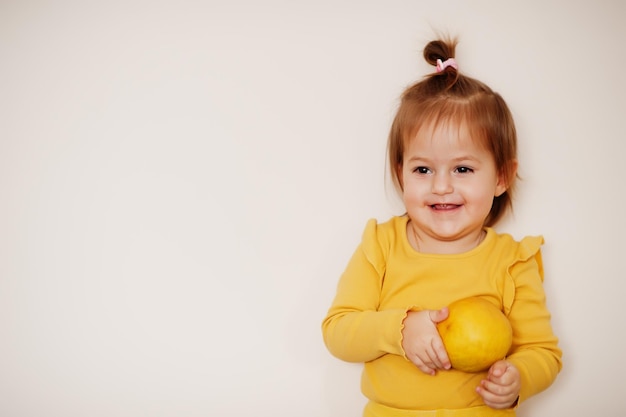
182, 183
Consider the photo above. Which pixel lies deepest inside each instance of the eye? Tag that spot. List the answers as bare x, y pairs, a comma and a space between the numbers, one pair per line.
464, 170
421, 170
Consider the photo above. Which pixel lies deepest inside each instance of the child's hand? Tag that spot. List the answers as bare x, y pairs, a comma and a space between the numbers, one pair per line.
501, 388
421, 341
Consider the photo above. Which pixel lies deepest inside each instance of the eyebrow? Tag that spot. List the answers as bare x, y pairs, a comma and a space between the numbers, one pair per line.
457, 159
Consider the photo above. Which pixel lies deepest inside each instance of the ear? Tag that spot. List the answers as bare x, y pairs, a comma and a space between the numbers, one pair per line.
503, 184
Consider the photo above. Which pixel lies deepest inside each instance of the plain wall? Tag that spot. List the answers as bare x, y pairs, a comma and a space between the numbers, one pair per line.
183, 182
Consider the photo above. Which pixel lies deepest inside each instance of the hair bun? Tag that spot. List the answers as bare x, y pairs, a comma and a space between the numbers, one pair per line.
439, 49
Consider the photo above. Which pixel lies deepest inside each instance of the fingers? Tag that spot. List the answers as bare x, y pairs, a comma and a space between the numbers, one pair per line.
502, 386
497, 401
497, 396
421, 341
437, 316
427, 367
503, 373
498, 369
441, 356
433, 358
497, 390
427, 370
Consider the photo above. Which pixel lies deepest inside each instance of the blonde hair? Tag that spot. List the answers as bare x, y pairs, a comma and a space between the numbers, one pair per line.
446, 97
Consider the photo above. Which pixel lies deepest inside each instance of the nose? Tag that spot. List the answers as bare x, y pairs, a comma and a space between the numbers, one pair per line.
442, 183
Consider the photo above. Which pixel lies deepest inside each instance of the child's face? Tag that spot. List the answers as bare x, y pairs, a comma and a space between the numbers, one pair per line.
449, 183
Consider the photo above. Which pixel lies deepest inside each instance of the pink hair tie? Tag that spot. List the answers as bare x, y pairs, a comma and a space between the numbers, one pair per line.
450, 62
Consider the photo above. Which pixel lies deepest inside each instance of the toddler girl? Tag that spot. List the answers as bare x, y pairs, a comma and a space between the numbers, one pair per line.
453, 158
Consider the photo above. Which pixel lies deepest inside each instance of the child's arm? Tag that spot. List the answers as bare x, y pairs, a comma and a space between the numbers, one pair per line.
535, 352
354, 330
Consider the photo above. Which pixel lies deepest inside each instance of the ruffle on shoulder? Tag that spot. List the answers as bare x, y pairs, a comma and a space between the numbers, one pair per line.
375, 245
528, 248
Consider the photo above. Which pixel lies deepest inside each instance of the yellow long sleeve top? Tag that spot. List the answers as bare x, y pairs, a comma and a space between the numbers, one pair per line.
386, 278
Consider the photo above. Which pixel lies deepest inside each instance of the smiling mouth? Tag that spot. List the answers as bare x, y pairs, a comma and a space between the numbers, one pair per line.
444, 206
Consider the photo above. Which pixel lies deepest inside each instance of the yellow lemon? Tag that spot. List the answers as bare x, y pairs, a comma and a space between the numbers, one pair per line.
476, 334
